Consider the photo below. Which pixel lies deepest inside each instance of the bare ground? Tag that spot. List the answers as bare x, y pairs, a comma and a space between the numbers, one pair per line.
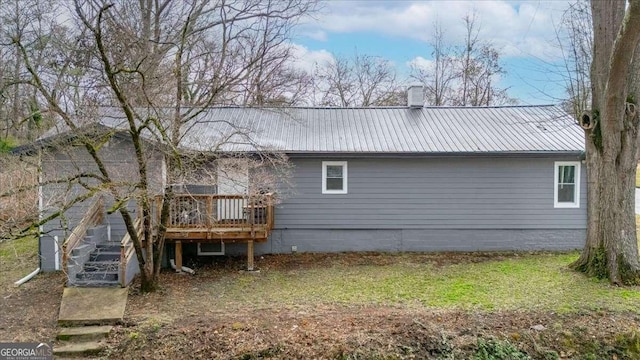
185, 320
30, 313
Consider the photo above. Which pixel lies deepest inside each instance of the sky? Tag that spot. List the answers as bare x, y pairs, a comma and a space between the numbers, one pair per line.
400, 31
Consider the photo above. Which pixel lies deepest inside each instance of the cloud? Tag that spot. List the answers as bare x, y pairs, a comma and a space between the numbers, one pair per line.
307, 60
318, 35
517, 28
421, 63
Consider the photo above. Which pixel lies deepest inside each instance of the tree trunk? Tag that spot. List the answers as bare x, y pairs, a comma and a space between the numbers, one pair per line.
611, 249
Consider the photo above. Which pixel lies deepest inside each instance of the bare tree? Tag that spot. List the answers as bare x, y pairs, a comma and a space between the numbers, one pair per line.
479, 69
18, 198
277, 85
160, 64
575, 40
18, 102
611, 130
463, 75
439, 78
363, 80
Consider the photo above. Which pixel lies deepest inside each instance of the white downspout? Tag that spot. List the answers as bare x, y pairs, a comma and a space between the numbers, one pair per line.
27, 278
57, 253
184, 268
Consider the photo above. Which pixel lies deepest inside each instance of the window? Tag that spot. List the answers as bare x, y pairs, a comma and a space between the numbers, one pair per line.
567, 184
334, 177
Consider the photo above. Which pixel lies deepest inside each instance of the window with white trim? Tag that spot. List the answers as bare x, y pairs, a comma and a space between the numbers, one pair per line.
334, 177
567, 184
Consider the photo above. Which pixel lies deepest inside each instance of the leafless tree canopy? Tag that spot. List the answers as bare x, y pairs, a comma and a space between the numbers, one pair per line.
156, 66
361, 80
575, 39
465, 74
19, 103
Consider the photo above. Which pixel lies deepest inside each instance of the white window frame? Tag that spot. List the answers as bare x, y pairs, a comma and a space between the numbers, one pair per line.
344, 177
576, 202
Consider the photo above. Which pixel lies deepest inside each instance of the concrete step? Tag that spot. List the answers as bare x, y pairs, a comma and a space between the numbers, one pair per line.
83, 333
92, 306
95, 283
98, 275
99, 231
105, 256
91, 266
83, 249
112, 247
78, 349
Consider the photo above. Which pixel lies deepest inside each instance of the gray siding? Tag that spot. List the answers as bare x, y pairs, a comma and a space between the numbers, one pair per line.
325, 240
437, 193
119, 159
429, 204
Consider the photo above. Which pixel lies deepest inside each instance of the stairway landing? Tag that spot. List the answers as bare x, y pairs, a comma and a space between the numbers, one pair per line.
92, 306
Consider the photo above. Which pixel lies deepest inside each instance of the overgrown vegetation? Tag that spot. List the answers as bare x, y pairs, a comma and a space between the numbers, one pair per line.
6, 145
496, 350
385, 306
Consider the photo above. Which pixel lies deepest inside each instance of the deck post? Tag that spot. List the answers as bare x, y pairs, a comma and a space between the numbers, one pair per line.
250, 255
178, 256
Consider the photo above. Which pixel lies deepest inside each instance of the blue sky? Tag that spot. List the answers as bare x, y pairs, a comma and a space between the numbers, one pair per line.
523, 31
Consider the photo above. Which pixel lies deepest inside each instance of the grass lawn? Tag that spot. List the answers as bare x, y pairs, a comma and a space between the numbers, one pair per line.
370, 305
515, 282
18, 258
351, 305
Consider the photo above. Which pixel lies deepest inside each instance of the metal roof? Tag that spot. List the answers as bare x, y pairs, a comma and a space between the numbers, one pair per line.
427, 130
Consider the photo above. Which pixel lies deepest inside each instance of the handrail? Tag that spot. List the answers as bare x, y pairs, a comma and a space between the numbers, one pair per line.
209, 211
127, 250
94, 216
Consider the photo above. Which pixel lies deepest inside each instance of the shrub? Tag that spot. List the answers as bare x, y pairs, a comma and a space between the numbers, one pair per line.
498, 350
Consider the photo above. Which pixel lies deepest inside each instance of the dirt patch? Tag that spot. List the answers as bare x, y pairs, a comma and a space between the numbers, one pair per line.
322, 260
186, 320
372, 332
30, 313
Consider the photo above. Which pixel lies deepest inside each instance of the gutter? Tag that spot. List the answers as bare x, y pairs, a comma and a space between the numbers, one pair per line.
579, 154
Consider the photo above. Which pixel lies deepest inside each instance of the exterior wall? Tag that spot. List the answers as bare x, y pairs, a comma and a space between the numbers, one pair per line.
393, 204
119, 158
429, 204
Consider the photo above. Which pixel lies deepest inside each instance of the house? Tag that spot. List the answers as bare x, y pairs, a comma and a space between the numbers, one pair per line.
408, 178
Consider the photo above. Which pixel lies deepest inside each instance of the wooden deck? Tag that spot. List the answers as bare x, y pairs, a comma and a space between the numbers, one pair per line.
218, 218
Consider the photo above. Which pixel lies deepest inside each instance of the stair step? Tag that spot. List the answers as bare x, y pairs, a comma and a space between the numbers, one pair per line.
100, 230
84, 333
95, 283
98, 275
79, 349
105, 256
109, 246
91, 266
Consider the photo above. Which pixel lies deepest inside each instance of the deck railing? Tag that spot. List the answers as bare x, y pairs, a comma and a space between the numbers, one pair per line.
93, 217
190, 211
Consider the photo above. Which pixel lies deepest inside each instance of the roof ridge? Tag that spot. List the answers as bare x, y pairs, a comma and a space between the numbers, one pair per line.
351, 107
